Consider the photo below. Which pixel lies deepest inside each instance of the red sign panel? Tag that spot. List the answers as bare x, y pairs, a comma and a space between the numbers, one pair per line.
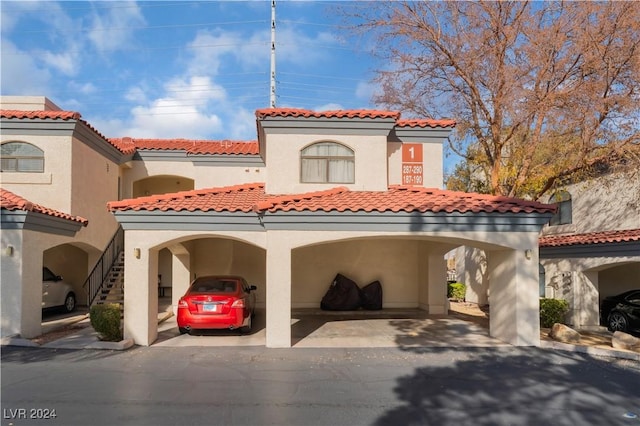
412, 165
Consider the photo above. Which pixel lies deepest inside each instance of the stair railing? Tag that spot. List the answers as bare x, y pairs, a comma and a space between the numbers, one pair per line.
95, 281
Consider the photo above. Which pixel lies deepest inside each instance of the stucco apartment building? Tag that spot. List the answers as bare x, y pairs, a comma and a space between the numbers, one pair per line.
590, 249
355, 192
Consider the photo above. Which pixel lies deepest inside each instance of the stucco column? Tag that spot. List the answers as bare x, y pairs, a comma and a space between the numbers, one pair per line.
515, 304
278, 290
140, 292
180, 278
437, 276
587, 309
21, 289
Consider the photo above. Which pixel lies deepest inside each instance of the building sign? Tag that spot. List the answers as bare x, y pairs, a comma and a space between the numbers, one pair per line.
412, 165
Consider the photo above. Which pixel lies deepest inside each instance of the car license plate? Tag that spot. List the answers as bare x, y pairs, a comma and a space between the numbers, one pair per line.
210, 307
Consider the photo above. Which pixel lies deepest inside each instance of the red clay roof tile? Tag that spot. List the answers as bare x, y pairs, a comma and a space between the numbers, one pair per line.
347, 113
426, 122
193, 147
601, 237
251, 197
58, 115
408, 199
10, 201
237, 198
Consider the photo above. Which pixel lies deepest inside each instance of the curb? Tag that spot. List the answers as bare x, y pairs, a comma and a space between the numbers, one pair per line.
610, 353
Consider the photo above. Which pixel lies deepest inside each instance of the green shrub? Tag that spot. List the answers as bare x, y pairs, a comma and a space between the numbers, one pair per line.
456, 291
105, 319
552, 311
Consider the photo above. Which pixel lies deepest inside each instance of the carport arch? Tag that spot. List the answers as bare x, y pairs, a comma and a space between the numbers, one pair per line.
140, 319
512, 263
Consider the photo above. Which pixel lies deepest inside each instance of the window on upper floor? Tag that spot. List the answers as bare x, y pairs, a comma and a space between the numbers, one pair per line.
22, 157
563, 215
327, 162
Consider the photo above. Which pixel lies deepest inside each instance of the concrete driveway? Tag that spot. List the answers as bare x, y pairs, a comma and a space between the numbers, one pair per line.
312, 328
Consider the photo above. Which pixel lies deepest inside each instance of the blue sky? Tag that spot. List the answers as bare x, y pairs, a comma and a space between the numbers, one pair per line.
188, 69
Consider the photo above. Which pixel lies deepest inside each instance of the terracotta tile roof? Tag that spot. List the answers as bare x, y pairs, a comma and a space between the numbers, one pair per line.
353, 113
250, 197
403, 198
57, 115
237, 198
426, 122
222, 147
10, 201
590, 238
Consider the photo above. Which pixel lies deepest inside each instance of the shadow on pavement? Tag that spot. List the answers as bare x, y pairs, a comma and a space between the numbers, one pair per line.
555, 388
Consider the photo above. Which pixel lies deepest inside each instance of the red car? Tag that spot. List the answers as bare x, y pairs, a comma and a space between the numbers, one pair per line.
217, 302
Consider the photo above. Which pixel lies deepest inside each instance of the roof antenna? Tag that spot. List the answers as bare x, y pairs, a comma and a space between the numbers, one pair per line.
272, 97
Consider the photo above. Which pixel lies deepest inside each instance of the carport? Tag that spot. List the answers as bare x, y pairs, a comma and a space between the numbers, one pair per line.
32, 236
404, 232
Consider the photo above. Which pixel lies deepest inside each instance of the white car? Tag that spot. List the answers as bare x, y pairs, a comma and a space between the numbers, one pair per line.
55, 292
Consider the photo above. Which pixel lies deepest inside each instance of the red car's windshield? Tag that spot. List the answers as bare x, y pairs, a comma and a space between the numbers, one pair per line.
214, 285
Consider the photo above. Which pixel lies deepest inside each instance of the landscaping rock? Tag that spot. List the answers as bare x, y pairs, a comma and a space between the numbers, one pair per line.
563, 333
621, 340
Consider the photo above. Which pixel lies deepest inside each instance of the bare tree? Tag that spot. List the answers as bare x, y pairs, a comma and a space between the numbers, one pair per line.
541, 91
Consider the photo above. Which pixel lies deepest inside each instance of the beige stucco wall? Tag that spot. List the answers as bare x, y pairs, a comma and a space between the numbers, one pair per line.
432, 164
21, 288
619, 278
283, 162
94, 182
401, 266
52, 188
71, 263
27, 103
608, 203
203, 176
219, 256
584, 282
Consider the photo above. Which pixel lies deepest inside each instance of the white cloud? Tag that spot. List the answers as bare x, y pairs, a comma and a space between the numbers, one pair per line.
209, 48
65, 62
83, 88
114, 30
21, 75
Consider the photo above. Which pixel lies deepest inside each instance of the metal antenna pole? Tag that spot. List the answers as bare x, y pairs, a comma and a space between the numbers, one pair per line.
272, 98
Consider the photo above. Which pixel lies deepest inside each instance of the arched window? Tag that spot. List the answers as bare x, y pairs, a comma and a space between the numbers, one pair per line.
327, 162
541, 280
22, 157
563, 202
